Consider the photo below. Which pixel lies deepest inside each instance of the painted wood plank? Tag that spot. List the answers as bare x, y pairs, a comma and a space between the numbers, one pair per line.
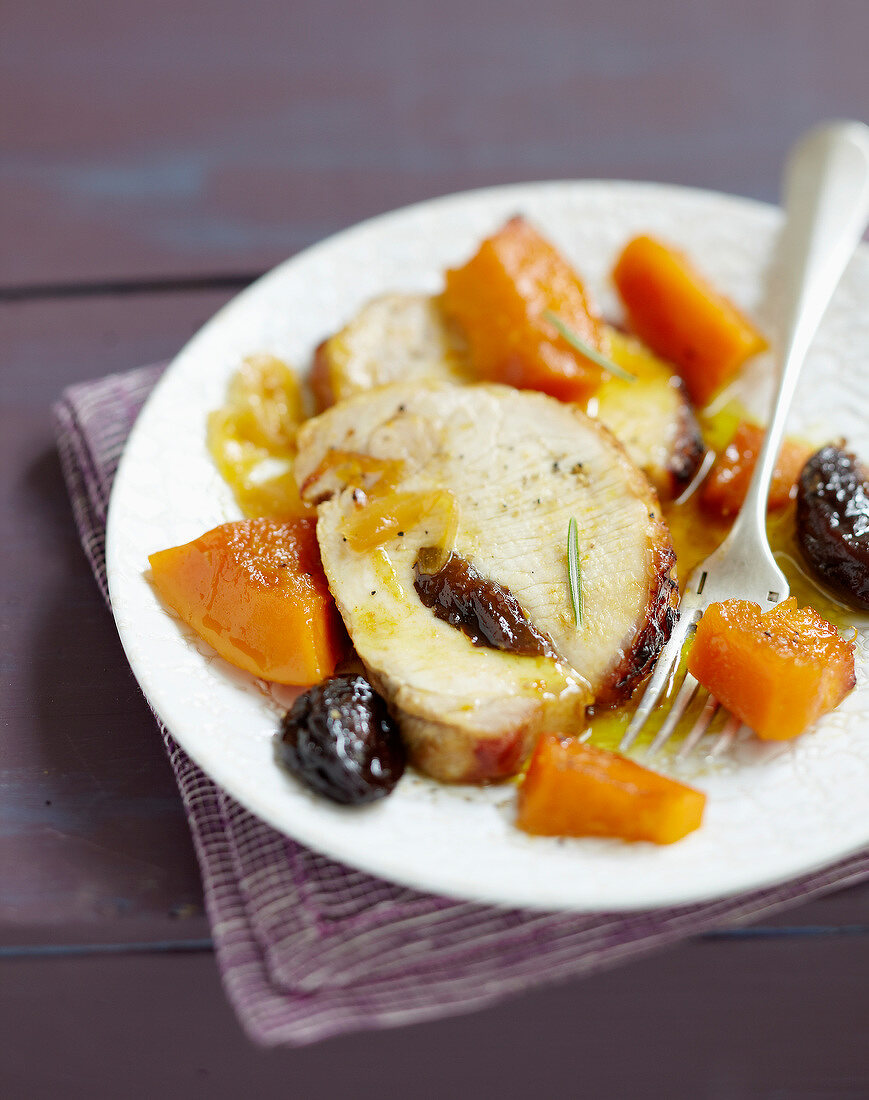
708, 1020
93, 839
191, 137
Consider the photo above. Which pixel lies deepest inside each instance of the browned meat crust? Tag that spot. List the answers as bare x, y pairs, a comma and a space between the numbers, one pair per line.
663, 613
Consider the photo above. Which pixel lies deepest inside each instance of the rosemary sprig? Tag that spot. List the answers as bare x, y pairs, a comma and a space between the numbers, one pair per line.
573, 575
587, 350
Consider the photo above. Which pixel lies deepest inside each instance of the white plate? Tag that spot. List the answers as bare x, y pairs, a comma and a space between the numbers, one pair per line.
771, 813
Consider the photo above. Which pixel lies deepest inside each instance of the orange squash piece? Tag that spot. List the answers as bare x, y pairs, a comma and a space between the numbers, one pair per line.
500, 298
255, 590
576, 789
682, 318
778, 670
724, 489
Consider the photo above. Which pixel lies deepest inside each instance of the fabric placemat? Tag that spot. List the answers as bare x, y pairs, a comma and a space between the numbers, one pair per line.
309, 948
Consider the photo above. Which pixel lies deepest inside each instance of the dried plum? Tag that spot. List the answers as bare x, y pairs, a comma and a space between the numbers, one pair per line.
487, 612
833, 523
340, 740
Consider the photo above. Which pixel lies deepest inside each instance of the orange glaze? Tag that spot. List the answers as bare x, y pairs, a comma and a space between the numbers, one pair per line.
252, 438
352, 469
386, 517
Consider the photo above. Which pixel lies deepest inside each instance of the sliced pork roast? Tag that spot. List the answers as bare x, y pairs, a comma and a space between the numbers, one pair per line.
393, 338
651, 417
399, 337
443, 521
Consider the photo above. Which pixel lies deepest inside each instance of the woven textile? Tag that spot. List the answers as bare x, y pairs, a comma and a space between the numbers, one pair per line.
309, 948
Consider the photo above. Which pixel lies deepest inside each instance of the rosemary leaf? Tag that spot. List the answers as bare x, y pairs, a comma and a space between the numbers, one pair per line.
573, 575
587, 350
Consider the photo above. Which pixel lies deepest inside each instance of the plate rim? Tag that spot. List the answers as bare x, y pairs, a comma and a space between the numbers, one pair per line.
441, 883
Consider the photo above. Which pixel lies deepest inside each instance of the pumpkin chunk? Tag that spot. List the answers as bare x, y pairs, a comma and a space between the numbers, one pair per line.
681, 317
575, 789
724, 490
778, 670
500, 299
255, 590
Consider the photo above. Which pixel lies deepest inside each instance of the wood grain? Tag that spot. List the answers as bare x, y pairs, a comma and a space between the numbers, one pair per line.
190, 136
93, 839
706, 1021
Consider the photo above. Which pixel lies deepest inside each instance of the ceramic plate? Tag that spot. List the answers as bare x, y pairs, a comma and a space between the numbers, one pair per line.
772, 813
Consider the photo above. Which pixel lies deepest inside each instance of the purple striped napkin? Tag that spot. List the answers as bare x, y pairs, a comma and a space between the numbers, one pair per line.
309, 948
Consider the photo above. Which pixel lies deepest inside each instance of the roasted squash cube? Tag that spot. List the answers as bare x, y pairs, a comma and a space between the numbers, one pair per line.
725, 488
255, 590
500, 299
576, 789
682, 318
778, 670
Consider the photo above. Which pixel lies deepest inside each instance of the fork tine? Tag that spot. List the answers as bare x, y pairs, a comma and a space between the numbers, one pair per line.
680, 704
727, 736
667, 661
699, 727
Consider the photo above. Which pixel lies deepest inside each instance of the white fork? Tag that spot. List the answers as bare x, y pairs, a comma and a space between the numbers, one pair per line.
826, 200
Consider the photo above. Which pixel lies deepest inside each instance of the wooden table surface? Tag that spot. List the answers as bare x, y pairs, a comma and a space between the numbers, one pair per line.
153, 160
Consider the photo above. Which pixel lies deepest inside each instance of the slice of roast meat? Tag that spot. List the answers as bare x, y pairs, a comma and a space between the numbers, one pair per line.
497, 474
404, 337
393, 338
651, 416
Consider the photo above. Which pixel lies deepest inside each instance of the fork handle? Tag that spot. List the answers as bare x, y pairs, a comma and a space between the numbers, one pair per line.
826, 200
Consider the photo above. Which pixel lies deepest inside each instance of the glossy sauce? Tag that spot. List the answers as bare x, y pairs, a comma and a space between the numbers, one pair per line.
695, 535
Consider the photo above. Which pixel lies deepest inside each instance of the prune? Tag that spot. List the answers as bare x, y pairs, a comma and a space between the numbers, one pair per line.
833, 523
340, 740
487, 612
